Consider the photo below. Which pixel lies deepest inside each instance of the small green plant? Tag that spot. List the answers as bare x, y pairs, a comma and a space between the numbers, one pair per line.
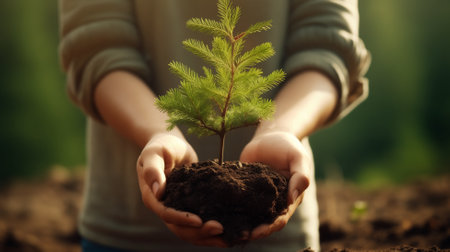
226, 97
359, 210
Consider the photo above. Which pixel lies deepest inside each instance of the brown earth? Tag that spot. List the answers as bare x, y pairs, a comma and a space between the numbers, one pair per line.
240, 196
416, 214
40, 215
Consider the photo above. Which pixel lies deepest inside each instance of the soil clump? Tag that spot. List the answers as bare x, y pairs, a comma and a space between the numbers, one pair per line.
240, 196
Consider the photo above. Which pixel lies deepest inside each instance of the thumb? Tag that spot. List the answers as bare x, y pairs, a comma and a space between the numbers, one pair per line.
248, 153
298, 181
153, 174
297, 185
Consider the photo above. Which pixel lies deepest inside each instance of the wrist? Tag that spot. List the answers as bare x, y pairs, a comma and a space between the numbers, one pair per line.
155, 133
130, 109
267, 127
303, 106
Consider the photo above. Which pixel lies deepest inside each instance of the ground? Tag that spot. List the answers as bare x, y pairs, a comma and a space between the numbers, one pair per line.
416, 214
40, 215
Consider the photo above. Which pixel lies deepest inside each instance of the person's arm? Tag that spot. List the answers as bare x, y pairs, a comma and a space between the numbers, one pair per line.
302, 107
305, 104
100, 50
126, 103
325, 61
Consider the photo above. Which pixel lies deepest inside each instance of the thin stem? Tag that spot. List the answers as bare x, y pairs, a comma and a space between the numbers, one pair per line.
233, 69
227, 101
245, 125
203, 124
222, 145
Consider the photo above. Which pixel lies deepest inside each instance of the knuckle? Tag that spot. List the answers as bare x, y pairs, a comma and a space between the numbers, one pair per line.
147, 173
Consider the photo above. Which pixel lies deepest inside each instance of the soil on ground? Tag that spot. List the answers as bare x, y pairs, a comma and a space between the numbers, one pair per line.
240, 196
416, 215
40, 215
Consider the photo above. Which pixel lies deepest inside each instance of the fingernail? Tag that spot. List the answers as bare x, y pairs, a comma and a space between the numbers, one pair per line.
216, 231
155, 187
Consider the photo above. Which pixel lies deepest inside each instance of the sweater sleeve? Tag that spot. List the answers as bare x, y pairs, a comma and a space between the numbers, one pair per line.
323, 35
97, 37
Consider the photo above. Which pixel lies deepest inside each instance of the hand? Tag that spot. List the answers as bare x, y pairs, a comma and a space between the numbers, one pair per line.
285, 153
161, 154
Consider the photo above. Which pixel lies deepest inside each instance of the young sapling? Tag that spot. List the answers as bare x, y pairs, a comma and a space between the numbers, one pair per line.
227, 95
224, 97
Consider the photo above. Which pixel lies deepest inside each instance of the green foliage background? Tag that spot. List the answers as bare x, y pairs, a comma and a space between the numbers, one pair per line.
401, 132
39, 126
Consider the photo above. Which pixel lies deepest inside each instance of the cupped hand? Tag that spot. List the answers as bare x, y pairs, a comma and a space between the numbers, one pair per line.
161, 154
285, 153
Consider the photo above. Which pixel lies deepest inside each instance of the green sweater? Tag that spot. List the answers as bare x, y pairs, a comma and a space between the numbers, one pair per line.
142, 37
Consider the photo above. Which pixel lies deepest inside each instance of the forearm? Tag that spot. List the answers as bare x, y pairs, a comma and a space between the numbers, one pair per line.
127, 105
303, 105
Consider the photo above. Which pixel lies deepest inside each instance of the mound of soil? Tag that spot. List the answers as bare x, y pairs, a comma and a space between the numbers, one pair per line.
239, 195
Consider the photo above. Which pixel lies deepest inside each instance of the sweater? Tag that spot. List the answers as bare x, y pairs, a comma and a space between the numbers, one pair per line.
142, 37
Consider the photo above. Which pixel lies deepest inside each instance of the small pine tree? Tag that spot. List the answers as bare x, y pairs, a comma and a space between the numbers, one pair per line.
227, 97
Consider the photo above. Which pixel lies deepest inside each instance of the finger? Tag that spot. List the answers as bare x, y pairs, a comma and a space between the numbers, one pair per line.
149, 199
190, 157
207, 235
213, 227
265, 230
151, 192
181, 218
159, 190
260, 231
280, 222
176, 152
299, 179
248, 153
168, 215
297, 185
153, 172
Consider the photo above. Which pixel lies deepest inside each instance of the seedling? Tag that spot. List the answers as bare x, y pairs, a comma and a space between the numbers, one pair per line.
228, 94
359, 210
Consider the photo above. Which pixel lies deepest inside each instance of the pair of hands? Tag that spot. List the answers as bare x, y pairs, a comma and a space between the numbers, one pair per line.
281, 150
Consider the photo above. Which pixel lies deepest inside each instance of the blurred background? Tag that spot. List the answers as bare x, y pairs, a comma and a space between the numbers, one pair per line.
399, 133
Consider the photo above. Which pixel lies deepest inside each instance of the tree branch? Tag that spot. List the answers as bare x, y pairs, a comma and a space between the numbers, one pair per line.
245, 125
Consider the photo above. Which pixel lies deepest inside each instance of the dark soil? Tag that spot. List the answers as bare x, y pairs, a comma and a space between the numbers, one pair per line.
40, 215
240, 196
